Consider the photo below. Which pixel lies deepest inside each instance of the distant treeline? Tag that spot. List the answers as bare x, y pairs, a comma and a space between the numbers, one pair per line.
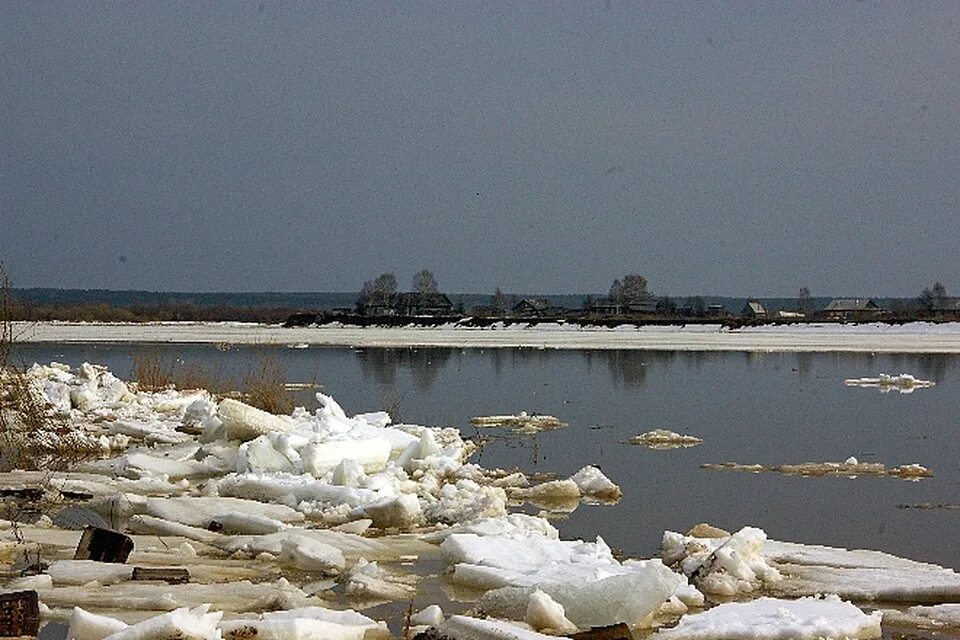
89, 305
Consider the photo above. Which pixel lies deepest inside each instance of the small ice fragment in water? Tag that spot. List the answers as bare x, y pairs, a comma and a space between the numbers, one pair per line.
664, 439
904, 383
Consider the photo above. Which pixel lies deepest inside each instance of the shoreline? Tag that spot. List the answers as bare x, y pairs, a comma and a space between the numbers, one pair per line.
915, 337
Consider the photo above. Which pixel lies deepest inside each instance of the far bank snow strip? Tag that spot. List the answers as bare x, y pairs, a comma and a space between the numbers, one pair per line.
916, 337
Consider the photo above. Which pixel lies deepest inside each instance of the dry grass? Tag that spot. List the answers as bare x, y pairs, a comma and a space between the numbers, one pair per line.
32, 435
265, 386
154, 371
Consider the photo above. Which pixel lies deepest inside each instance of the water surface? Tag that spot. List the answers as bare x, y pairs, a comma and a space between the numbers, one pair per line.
747, 407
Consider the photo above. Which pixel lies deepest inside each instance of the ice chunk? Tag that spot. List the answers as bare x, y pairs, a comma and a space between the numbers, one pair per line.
348, 473
941, 617
245, 523
543, 612
183, 624
859, 575
775, 619
721, 566
851, 468
321, 457
260, 455
243, 422
304, 623
309, 554
369, 580
630, 598
904, 383
90, 626
464, 628
665, 439
431, 616
199, 511
78, 572
593, 484
400, 512
556, 495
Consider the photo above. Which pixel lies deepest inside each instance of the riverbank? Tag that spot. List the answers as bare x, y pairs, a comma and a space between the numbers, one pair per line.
915, 337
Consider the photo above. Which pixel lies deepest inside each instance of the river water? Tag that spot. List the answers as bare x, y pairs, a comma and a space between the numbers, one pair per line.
747, 408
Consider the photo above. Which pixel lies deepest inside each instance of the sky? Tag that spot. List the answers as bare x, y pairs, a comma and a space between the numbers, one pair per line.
716, 148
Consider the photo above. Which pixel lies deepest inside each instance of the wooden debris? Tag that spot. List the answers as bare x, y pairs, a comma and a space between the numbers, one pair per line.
103, 545
19, 614
618, 631
171, 575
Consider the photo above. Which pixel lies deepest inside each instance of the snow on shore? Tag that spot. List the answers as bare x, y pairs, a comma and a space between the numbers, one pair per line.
915, 337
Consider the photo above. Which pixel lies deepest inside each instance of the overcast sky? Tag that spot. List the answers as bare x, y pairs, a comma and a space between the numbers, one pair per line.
716, 148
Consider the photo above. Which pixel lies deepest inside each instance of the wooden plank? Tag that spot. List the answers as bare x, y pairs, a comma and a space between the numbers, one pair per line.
103, 545
19, 614
171, 575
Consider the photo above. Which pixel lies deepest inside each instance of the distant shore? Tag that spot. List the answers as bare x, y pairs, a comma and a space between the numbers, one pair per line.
915, 337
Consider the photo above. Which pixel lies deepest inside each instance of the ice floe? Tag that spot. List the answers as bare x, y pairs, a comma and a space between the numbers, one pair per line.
851, 467
776, 619
665, 439
522, 422
903, 383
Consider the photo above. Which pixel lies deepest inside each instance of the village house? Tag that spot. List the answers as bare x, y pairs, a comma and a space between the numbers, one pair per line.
537, 308
852, 308
413, 303
754, 310
608, 307
416, 303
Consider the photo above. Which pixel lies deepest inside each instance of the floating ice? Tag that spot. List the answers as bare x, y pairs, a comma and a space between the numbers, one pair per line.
465, 628
84, 625
543, 612
593, 484
592, 586
860, 575
775, 619
665, 439
940, 617
850, 467
904, 383
523, 422
723, 566
183, 624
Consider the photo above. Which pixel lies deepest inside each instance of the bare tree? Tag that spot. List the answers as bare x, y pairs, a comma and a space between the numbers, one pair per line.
424, 282
498, 305
378, 291
804, 301
933, 299
616, 292
939, 294
634, 287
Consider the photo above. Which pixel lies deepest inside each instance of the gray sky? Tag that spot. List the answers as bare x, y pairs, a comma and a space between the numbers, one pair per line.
724, 148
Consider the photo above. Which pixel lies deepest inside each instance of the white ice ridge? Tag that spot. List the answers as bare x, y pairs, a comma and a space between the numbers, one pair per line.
725, 566
747, 562
198, 624
776, 619
593, 588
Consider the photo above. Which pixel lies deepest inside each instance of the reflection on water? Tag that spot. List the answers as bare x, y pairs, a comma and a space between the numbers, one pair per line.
768, 408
